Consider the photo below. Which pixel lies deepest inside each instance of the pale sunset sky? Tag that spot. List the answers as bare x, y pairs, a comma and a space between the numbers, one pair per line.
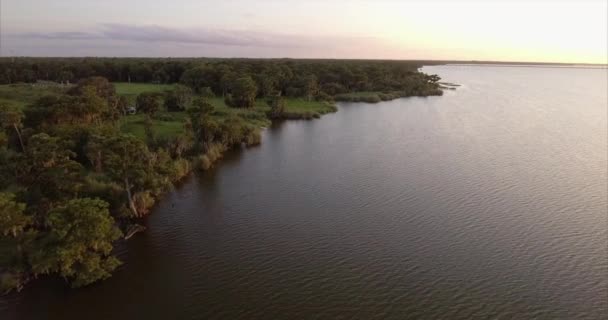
573, 31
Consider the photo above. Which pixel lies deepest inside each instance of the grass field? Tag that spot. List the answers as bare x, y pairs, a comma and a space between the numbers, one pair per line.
296, 108
131, 90
21, 95
169, 124
134, 124
369, 96
361, 94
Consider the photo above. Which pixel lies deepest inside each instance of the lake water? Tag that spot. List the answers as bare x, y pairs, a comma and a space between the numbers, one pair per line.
487, 202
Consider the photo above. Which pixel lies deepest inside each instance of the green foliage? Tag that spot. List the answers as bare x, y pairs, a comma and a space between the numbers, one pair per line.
79, 242
21, 95
178, 99
100, 85
134, 89
48, 171
206, 92
148, 102
203, 127
85, 108
11, 121
10, 281
13, 221
243, 94
197, 78
164, 127
10, 117
277, 106
128, 161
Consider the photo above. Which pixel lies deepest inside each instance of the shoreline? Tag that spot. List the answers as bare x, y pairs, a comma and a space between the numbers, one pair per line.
124, 163
198, 165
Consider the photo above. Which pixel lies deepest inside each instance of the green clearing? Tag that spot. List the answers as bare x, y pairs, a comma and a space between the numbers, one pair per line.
127, 89
23, 94
302, 106
370, 96
170, 124
131, 90
134, 124
361, 94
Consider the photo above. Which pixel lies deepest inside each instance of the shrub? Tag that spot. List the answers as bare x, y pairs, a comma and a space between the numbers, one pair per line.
143, 202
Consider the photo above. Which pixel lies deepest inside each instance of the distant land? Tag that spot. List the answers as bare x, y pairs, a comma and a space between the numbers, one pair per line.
417, 61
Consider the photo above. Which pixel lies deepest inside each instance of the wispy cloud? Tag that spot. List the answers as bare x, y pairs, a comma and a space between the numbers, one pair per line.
57, 35
154, 33
112, 39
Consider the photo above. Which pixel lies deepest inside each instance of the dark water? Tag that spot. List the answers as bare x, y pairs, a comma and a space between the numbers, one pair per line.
488, 202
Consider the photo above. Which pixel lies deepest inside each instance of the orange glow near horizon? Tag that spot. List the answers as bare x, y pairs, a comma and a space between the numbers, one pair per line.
575, 32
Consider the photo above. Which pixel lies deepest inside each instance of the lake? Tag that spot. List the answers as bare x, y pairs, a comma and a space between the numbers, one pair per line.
487, 202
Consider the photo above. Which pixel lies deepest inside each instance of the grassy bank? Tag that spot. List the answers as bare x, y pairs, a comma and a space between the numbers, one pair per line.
132, 90
376, 96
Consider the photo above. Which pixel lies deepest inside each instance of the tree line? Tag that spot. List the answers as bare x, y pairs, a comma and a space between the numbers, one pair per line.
311, 79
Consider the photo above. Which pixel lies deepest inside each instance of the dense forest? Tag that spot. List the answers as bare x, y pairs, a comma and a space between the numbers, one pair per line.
290, 77
78, 168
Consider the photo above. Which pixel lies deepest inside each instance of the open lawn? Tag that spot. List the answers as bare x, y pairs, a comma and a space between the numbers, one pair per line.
23, 94
126, 89
295, 108
361, 94
131, 90
169, 124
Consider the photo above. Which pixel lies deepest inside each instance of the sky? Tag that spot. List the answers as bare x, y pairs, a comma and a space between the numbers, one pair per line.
574, 31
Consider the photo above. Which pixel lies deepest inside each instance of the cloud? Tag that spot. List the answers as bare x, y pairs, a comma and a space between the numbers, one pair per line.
58, 35
154, 33
112, 39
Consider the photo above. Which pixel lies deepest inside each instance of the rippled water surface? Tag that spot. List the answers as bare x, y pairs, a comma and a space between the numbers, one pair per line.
488, 202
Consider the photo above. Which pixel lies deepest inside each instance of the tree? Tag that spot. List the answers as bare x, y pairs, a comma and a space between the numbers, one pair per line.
160, 76
226, 82
149, 131
206, 93
81, 232
128, 161
15, 234
94, 149
148, 102
91, 107
11, 117
118, 106
65, 76
277, 106
12, 218
204, 128
311, 87
48, 171
101, 86
433, 78
178, 98
198, 77
181, 143
84, 107
267, 84
244, 92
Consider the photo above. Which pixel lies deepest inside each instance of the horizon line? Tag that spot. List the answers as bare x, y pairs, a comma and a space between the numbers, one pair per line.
441, 61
